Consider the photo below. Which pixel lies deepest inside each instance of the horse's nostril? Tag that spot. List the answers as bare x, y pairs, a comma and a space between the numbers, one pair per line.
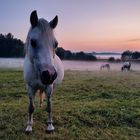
46, 74
47, 77
55, 75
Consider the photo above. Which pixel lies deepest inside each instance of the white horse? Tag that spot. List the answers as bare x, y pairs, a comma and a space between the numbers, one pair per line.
126, 66
43, 70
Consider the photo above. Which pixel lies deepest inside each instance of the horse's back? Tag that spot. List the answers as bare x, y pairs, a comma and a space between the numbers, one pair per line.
60, 70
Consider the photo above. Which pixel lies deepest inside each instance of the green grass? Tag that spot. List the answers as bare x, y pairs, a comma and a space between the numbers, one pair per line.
87, 106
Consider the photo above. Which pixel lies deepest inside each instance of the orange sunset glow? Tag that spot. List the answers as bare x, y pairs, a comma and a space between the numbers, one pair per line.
84, 25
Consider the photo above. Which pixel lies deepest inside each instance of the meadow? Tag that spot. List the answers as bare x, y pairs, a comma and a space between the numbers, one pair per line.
87, 106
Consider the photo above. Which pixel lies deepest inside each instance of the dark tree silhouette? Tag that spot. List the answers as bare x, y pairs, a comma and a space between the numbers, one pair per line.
136, 55
10, 46
130, 55
68, 55
126, 55
61, 53
111, 59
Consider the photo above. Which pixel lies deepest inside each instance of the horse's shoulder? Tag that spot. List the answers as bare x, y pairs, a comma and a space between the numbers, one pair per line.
28, 70
60, 70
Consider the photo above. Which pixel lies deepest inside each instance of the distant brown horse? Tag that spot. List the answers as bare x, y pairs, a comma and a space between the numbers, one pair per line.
105, 66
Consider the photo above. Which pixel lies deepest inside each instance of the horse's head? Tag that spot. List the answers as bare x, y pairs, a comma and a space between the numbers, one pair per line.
40, 47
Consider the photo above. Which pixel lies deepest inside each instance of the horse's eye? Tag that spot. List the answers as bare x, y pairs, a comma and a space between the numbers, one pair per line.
33, 43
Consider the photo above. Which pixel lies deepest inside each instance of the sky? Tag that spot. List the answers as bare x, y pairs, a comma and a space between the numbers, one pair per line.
84, 25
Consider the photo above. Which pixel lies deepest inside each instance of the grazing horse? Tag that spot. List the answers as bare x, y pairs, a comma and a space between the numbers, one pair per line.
43, 70
107, 66
126, 66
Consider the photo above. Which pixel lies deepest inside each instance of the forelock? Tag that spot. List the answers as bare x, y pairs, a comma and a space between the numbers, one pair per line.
44, 26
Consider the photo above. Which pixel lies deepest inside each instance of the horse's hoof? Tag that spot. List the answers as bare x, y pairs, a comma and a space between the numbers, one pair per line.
28, 129
50, 128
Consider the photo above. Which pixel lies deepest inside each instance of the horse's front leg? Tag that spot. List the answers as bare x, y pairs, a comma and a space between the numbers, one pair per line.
48, 93
31, 94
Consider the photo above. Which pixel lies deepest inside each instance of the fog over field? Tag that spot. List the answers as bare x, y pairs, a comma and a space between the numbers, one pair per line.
69, 65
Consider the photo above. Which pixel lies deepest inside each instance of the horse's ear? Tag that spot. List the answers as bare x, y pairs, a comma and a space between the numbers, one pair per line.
34, 18
53, 23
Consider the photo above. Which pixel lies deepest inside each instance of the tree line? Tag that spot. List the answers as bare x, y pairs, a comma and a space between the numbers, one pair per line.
10, 46
130, 55
13, 47
68, 55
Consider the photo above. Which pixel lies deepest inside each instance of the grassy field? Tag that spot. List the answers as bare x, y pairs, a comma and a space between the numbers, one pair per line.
87, 106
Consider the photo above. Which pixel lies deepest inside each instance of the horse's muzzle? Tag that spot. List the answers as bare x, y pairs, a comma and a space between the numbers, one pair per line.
48, 76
